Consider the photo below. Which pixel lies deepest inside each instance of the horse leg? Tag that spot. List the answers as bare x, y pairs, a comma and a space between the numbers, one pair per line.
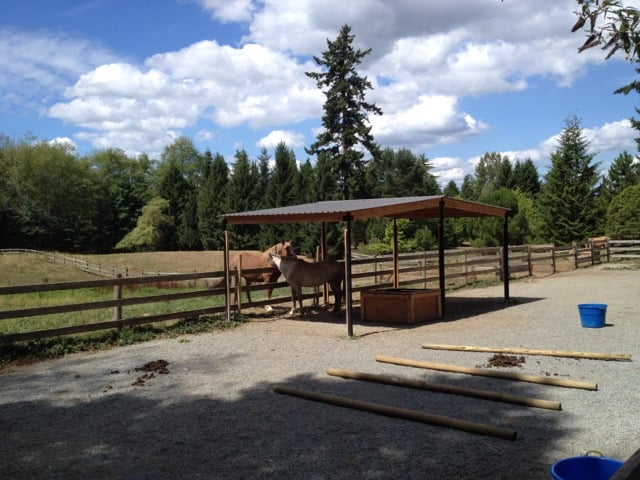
337, 295
268, 308
248, 291
300, 300
293, 300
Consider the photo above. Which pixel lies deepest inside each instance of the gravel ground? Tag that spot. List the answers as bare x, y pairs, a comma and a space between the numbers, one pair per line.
213, 412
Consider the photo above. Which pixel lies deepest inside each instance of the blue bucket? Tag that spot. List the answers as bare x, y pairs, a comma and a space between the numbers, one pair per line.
585, 467
592, 315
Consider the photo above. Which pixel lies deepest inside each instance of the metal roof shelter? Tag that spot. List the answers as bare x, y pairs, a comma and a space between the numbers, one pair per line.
438, 206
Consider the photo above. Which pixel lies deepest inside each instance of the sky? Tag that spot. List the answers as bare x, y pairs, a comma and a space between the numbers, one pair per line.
454, 79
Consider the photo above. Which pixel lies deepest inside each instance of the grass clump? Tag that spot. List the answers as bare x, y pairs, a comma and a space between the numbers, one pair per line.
48, 348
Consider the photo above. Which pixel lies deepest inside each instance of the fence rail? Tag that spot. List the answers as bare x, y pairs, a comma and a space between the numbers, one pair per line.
462, 266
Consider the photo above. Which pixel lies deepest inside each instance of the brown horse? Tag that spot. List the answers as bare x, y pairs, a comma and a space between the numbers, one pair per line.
254, 261
300, 273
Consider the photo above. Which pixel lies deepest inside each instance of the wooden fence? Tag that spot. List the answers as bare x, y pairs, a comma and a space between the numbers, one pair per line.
462, 266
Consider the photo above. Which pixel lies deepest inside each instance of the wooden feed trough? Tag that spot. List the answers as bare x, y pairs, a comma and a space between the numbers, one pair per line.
400, 305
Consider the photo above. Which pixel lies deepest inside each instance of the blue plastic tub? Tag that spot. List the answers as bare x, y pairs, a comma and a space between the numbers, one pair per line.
586, 467
592, 315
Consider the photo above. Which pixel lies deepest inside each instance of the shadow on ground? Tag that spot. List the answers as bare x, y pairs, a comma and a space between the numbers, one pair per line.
141, 433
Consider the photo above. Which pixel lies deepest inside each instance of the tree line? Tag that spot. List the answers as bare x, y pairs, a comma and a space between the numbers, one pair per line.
54, 199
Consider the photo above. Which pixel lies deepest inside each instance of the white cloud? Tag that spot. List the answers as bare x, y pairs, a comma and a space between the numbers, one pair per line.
252, 85
65, 142
427, 59
427, 122
291, 138
37, 66
229, 10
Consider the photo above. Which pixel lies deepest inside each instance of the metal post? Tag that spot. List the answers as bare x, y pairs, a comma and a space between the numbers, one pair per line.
441, 258
505, 257
347, 274
227, 293
396, 269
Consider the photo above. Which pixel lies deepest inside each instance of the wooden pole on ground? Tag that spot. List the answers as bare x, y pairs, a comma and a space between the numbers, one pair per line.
396, 412
621, 357
443, 388
558, 382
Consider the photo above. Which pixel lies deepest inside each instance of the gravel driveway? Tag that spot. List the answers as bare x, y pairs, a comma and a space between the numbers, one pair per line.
211, 411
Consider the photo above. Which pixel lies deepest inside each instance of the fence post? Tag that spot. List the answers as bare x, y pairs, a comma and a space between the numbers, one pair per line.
117, 295
239, 285
424, 268
529, 261
466, 267
575, 254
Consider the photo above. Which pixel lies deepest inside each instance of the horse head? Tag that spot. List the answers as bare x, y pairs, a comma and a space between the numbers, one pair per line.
284, 249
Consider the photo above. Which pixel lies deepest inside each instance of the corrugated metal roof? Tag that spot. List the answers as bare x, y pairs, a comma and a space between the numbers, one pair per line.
338, 210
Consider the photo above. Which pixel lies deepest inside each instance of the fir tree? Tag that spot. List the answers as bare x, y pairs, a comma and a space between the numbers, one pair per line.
344, 119
568, 199
211, 198
241, 197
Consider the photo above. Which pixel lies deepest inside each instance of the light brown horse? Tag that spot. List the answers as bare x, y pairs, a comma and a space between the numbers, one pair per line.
300, 273
254, 261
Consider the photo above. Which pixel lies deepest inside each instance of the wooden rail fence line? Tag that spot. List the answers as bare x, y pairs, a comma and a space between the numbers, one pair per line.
463, 266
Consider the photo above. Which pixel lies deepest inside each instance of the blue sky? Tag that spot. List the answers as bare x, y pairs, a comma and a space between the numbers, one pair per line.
454, 79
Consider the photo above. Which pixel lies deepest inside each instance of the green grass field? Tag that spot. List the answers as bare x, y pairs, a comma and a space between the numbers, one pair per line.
28, 269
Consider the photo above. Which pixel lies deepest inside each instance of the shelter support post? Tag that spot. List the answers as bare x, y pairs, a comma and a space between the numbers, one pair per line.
505, 258
323, 255
396, 268
227, 293
347, 275
441, 258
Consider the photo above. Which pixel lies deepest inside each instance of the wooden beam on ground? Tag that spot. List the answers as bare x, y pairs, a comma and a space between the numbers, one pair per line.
443, 388
389, 411
558, 382
620, 357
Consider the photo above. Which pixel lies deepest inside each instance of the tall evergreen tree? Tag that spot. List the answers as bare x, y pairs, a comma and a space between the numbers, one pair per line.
281, 189
345, 114
241, 197
468, 188
526, 177
326, 184
623, 172
264, 177
175, 189
492, 172
280, 192
623, 220
181, 175
307, 236
451, 190
211, 201
568, 200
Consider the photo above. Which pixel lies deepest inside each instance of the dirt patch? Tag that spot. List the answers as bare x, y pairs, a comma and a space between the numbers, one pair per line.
151, 368
504, 361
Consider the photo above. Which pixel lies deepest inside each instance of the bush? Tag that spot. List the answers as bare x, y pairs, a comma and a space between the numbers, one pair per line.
623, 221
